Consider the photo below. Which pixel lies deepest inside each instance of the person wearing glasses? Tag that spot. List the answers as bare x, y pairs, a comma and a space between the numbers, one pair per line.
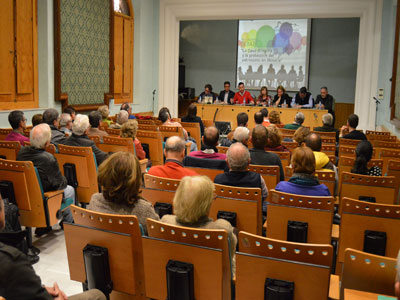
18, 123
226, 95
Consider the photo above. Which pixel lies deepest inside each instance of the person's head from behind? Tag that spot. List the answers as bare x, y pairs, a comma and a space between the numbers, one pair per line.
314, 142
193, 199
303, 160
324, 92
259, 137
211, 137
164, 117
71, 111
258, 118
352, 121
122, 117
208, 88
80, 125
192, 110
364, 152
227, 86
125, 106
274, 117
65, 121
103, 110
241, 87
299, 118
327, 120
50, 116
40, 136
120, 178
301, 134
175, 148
238, 157
274, 137
242, 119
94, 119
303, 92
264, 112
37, 119
129, 129
17, 120
242, 135
162, 111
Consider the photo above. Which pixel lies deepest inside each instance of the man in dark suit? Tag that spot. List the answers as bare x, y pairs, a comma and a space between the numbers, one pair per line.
226, 96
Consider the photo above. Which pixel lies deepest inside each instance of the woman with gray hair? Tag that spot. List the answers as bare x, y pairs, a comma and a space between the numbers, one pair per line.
122, 118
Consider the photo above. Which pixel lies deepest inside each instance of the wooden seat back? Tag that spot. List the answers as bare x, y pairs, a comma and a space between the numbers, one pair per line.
113, 132
222, 149
285, 158
148, 127
324, 177
270, 174
385, 189
154, 141
348, 142
380, 145
316, 211
33, 209
304, 264
209, 238
116, 144
96, 139
389, 154
210, 173
103, 125
328, 149
158, 189
330, 135
145, 122
328, 140
4, 132
9, 150
372, 132
393, 168
358, 268
346, 164
193, 130
290, 145
287, 131
359, 216
51, 148
86, 170
350, 151
377, 137
168, 131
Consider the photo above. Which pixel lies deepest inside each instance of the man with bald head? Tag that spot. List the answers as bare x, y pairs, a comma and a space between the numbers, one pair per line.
173, 168
209, 148
258, 155
313, 141
238, 159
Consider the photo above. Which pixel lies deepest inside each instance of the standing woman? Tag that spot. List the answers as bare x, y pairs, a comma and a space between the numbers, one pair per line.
281, 97
264, 99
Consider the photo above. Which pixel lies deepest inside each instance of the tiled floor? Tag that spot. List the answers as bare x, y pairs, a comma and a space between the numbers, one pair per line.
53, 265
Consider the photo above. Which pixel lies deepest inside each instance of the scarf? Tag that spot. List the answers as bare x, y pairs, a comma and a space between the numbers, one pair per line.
304, 179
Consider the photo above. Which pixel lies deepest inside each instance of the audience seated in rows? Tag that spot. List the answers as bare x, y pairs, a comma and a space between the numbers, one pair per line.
127, 107
192, 117
173, 168
300, 135
274, 117
192, 203
258, 155
17, 121
79, 137
322, 162
120, 179
274, 142
129, 130
94, 121
364, 151
238, 160
71, 111
327, 121
122, 118
104, 111
66, 124
354, 134
210, 142
47, 166
298, 121
37, 119
50, 117
303, 181
18, 279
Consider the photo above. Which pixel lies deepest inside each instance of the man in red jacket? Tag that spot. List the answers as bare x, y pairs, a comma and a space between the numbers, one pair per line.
243, 96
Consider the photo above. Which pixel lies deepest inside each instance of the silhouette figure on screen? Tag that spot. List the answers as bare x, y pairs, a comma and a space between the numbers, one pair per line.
271, 76
292, 78
249, 79
281, 76
241, 74
300, 77
259, 75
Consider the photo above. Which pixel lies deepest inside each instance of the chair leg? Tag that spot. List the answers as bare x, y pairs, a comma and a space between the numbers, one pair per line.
31, 248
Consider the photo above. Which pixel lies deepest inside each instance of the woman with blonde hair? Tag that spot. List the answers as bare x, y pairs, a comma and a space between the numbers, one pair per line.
129, 130
120, 179
274, 142
281, 98
301, 134
103, 110
274, 117
192, 203
303, 181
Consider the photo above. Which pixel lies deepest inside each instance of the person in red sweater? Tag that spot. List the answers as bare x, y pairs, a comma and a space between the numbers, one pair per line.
243, 96
173, 168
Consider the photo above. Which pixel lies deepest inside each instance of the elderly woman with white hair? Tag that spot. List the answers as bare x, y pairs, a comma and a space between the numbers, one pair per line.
79, 137
122, 118
192, 203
